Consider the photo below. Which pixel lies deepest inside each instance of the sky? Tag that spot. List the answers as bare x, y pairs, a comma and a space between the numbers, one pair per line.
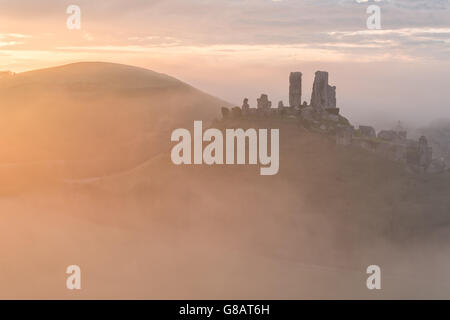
241, 48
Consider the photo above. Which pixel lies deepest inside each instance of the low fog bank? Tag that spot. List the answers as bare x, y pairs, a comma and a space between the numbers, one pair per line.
164, 231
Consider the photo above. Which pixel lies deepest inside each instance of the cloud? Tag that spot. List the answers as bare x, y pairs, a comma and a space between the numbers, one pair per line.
337, 26
14, 36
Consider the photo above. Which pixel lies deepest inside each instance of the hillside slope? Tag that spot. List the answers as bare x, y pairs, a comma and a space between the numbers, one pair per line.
93, 118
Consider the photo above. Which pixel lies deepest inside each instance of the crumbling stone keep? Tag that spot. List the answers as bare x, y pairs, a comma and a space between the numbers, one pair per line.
323, 95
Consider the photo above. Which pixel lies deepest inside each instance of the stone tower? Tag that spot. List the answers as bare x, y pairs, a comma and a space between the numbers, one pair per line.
295, 89
323, 95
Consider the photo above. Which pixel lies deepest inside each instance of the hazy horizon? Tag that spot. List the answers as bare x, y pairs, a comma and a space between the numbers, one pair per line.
242, 48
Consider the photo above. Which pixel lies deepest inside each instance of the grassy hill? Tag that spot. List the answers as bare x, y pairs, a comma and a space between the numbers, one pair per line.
90, 119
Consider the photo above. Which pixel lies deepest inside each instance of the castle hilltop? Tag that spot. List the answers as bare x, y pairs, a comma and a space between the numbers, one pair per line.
323, 116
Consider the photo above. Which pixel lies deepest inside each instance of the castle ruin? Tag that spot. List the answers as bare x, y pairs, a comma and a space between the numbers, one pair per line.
323, 116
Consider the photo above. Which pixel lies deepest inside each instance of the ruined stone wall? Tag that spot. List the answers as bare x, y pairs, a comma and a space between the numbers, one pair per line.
263, 102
